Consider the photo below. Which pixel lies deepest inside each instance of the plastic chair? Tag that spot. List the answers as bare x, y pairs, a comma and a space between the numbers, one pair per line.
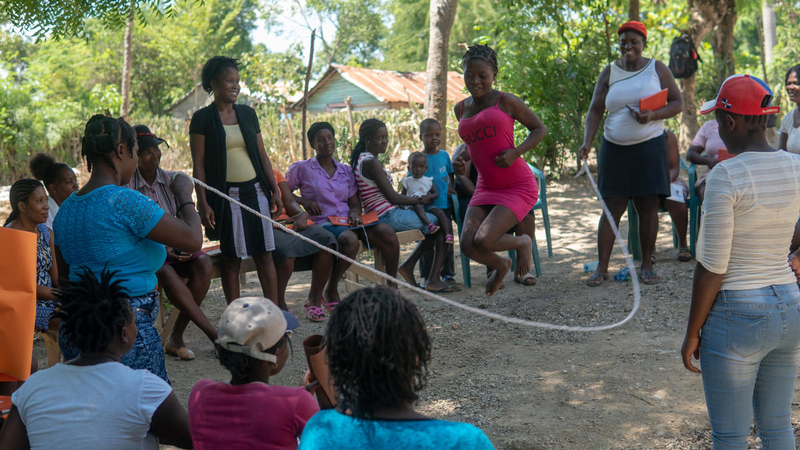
540, 204
694, 210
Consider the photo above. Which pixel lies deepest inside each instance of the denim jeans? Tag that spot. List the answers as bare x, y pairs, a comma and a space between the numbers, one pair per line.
749, 353
406, 219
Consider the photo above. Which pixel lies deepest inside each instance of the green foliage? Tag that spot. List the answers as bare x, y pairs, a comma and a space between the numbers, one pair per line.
275, 76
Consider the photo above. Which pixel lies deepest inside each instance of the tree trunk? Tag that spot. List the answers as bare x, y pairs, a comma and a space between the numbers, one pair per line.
722, 42
633, 10
127, 66
770, 35
442, 14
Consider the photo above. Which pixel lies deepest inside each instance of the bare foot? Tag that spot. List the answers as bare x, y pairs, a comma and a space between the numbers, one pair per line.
407, 274
524, 257
496, 277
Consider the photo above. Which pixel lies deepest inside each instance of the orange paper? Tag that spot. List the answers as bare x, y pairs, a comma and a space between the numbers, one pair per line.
654, 102
366, 219
722, 155
17, 303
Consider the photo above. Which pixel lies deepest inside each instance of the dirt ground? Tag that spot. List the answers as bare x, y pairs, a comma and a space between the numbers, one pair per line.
529, 388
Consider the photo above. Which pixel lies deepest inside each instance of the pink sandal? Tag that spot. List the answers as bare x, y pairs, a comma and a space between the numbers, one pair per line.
329, 306
432, 228
448, 239
315, 313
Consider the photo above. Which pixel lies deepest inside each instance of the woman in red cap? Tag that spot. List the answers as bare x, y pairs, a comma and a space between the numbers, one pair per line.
744, 322
633, 160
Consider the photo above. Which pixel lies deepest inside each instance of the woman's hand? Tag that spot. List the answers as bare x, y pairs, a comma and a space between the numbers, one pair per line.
690, 347
277, 203
181, 187
354, 218
177, 256
310, 206
794, 263
584, 151
300, 221
459, 166
206, 215
506, 158
644, 116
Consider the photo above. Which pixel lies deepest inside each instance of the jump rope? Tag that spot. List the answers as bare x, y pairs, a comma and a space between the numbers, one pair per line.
637, 297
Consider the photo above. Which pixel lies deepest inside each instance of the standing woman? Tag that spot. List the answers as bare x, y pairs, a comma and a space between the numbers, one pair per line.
790, 125
506, 189
744, 323
633, 159
58, 178
228, 154
108, 226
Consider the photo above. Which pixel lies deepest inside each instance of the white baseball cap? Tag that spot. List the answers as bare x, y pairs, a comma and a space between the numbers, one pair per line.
253, 325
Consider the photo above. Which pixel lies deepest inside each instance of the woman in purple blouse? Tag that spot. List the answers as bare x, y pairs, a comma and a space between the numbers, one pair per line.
328, 188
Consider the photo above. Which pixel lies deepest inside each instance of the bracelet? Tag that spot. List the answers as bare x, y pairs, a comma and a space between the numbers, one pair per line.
184, 204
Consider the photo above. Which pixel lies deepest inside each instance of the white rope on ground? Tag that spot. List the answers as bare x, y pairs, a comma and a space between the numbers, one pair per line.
514, 320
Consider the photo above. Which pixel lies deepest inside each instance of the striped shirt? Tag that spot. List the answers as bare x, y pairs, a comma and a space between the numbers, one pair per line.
159, 191
371, 196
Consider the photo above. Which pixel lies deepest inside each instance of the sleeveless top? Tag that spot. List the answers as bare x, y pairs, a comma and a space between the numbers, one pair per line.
371, 196
627, 88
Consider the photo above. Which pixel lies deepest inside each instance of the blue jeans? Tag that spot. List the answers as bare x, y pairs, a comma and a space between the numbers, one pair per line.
406, 219
749, 353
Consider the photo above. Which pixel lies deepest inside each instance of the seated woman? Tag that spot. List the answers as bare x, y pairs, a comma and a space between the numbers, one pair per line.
105, 225
678, 210
378, 353
248, 412
328, 189
378, 195
93, 401
704, 151
151, 180
289, 249
58, 178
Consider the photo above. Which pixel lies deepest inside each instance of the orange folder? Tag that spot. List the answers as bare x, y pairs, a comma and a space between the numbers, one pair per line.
17, 303
366, 219
722, 155
654, 102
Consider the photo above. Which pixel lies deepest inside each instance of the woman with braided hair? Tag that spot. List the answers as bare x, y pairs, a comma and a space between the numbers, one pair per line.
378, 352
93, 401
108, 226
506, 189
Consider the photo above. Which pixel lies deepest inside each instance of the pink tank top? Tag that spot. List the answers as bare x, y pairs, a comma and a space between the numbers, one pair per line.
487, 134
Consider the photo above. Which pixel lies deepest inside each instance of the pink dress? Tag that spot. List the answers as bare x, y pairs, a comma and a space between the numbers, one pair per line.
487, 134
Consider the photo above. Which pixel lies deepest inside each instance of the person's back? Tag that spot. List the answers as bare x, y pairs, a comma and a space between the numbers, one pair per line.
330, 429
106, 405
252, 415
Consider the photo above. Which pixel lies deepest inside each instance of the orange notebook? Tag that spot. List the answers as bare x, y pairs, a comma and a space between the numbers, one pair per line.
654, 102
366, 219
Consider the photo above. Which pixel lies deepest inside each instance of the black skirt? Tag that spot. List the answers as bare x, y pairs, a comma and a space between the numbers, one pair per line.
634, 170
290, 246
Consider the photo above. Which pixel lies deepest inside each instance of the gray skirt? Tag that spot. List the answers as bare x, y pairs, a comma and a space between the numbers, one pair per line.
634, 170
289, 246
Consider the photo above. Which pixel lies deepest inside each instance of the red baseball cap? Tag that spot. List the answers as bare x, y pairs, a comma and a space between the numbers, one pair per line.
633, 25
743, 95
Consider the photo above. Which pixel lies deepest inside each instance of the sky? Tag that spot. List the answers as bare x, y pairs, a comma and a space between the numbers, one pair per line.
290, 28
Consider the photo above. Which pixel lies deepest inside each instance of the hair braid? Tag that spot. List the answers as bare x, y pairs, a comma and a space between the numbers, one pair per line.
100, 139
20, 191
482, 52
366, 130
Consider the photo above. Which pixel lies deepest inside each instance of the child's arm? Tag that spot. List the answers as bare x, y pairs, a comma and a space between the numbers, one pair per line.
433, 194
372, 169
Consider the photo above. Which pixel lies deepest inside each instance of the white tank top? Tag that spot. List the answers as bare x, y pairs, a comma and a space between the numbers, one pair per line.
627, 88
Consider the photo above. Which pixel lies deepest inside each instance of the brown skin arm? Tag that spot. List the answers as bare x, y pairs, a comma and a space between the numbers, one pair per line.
694, 155
451, 184
170, 423
674, 99
596, 110
782, 141
185, 233
704, 289
354, 215
197, 143
373, 170
433, 194
293, 209
14, 435
277, 201
794, 256
514, 106
63, 268
674, 156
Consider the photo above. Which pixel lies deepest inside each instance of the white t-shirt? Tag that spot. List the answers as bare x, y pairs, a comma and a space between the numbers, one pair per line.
107, 405
51, 214
749, 213
417, 187
788, 128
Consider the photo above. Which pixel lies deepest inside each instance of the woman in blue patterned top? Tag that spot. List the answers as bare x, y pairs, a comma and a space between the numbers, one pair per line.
378, 352
107, 226
29, 212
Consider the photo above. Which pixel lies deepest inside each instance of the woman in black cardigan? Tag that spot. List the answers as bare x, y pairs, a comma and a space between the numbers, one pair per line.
228, 154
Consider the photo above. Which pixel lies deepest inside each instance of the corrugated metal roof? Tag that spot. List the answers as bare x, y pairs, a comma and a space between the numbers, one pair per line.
391, 86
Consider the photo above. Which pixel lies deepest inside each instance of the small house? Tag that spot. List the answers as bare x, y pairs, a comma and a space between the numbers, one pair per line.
373, 89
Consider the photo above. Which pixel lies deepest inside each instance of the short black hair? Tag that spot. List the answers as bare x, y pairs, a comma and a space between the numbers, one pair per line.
213, 69
378, 351
794, 69
416, 155
100, 138
45, 168
758, 124
239, 364
482, 52
427, 123
20, 191
93, 311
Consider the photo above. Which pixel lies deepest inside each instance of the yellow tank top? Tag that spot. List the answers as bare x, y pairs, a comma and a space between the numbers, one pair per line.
239, 166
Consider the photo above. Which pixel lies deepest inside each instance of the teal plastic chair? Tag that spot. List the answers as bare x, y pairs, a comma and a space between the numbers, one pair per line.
540, 204
694, 210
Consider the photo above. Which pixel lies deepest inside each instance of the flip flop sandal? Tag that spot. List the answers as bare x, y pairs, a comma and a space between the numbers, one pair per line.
649, 278
432, 228
183, 353
446, 290
315, 313
448, 239
684, 254
527, 280
332, 305
596, 279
